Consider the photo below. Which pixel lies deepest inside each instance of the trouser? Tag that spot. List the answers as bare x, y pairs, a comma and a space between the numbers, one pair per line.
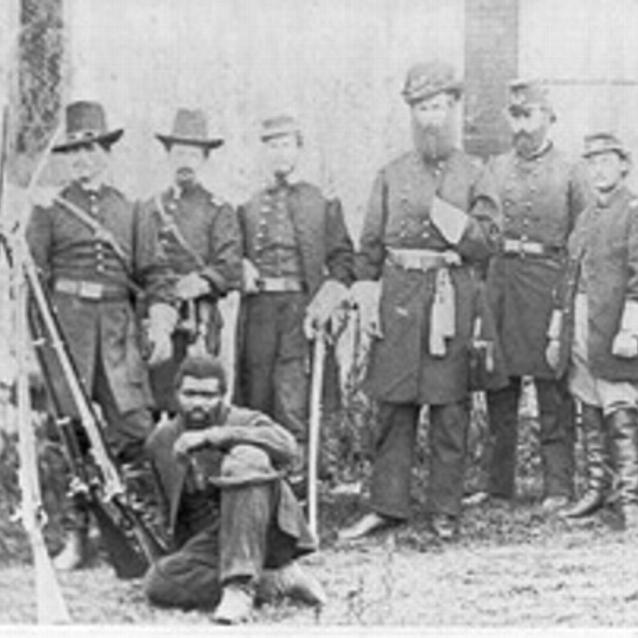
162, 376
125, 434
245, 540
394, 455
276, 359
556, 437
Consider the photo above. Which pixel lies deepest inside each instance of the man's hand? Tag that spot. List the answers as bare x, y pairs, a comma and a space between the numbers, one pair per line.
161, 349
250, 277
189, 441
191, 286
625, 345
332, 296
365, 296
552, 353
192, 440
161, 323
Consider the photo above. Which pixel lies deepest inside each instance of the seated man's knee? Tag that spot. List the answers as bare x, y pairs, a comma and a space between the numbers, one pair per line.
246, 464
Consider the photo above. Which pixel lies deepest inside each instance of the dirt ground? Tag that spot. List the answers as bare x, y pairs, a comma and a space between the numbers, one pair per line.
511, 567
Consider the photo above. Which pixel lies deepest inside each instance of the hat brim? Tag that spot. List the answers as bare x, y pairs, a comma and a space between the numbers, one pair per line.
455, 89
105, 139
255, 478
612, 149
169, 140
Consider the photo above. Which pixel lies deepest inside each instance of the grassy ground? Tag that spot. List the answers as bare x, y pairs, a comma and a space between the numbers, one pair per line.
511, 566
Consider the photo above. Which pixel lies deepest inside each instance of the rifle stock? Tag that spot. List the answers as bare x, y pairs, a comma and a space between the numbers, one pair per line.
51, 607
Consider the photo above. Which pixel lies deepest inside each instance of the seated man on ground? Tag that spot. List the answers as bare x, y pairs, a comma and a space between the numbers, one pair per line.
235, 523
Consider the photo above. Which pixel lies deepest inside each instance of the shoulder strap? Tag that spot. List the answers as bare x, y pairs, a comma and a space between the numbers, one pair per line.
169, 223
102, 233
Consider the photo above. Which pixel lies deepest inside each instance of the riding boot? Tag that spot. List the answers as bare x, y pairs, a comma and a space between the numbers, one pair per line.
623, 428
598, 478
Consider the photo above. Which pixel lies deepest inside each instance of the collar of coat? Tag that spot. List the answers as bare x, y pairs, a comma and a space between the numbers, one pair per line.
615, 196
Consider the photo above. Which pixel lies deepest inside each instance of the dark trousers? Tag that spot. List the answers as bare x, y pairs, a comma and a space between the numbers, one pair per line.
245, 541
275, 359
125, 432
556, 416
394, 456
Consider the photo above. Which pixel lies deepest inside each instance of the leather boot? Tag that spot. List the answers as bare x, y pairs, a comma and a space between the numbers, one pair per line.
623, 430
598, 478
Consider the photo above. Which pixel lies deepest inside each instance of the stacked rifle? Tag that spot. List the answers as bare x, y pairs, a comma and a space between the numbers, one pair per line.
96, 481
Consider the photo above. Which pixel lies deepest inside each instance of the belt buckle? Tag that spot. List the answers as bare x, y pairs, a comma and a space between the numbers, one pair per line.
90, 290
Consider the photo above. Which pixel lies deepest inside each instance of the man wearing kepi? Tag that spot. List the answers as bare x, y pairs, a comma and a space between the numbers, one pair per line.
541, 194
594, 328
96, 251
236, 524
431, 216
297, 266
200, 237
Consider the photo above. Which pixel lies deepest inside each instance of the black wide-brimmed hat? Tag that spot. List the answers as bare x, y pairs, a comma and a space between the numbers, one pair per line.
190, 127
86, 124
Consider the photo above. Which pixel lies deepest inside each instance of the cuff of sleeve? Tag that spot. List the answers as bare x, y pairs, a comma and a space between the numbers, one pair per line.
216, 281
629, 321
450, 220
555, 325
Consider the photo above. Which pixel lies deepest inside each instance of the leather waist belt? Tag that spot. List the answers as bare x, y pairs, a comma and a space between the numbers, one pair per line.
279, 284
526, 247
422, 259
91, 289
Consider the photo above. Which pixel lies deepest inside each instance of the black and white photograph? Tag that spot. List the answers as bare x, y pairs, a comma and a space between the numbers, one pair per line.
318, 315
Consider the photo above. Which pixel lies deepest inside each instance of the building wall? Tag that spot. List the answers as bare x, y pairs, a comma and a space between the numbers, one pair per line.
491, 61
586, 51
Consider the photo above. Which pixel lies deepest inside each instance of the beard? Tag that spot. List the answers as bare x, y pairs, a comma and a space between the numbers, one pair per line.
184, 177
199, 418
526, 144
432, 142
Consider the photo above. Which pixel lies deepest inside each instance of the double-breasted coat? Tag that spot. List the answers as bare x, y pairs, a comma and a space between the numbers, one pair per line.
541, 198
101, 330
604, 244
401, 367
210, 229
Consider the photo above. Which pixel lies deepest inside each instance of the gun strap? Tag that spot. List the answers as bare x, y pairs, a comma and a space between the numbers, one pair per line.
104, 234
169, 222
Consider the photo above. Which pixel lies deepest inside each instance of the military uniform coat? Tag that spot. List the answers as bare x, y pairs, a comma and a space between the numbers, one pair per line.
323, 241
605, 245
401, 369
246, 427
541, 198
209, 227
63, 247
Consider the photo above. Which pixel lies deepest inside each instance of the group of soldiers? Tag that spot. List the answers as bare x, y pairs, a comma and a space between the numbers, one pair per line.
468, 276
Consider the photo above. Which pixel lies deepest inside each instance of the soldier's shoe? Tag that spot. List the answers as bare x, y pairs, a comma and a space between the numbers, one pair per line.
236, 604
75, 553
444, 526
554, 504
589, 503
293, 581
370, 523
